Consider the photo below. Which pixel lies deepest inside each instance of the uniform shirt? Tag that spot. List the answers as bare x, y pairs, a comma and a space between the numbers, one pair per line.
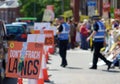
96, 27
60, 29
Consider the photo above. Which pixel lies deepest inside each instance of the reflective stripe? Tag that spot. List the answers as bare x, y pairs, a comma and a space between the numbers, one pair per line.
101, 30
98, 40
99, 37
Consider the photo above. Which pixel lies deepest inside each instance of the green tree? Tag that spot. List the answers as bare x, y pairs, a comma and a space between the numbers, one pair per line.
31, 8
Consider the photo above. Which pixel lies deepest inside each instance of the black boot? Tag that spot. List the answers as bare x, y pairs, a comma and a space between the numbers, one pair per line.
109, 65
93, 67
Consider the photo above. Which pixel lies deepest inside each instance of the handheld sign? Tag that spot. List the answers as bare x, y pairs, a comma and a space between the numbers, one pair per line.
49, 37
30, 67
13, 59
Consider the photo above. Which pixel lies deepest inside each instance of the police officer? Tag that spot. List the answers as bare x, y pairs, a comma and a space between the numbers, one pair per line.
63, 36
98, 35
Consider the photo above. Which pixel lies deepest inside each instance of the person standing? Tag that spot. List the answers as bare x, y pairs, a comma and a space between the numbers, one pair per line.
98, 35
84, 35
63, 36
72, 34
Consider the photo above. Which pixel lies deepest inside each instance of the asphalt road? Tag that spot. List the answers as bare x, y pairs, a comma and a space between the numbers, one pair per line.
78, 72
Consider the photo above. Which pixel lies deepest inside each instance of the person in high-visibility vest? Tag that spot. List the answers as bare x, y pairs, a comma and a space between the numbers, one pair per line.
98, 35
63, 36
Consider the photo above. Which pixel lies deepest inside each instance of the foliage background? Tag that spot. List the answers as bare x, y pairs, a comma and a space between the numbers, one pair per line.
29, 6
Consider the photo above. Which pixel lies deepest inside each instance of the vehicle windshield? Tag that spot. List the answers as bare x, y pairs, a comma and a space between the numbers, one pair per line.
24, 24
14, 30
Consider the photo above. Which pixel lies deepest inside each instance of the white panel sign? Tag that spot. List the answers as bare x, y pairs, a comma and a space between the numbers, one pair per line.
36, 38
41, 26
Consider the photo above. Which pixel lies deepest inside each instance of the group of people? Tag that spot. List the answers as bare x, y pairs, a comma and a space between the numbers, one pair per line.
113, 43
97, 32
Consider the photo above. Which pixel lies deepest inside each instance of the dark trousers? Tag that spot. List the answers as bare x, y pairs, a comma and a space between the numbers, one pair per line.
84, 43
63, 51
97, 54
72, 43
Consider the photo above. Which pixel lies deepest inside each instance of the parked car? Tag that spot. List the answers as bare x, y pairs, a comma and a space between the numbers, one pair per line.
15, 32
24, 24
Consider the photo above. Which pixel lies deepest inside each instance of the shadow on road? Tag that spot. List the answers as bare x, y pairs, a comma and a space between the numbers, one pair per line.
112, 71
50, 82
53, 70
73, 68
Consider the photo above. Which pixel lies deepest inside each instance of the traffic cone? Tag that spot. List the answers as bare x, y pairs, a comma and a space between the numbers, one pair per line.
51, 50
40, 80
47, 56
20, 81
44, 69
46, 53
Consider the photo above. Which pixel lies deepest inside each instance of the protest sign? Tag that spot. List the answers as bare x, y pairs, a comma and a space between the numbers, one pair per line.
91, 8
48, 13
49, 37
106, 7
117, 13
24, 60
13, 58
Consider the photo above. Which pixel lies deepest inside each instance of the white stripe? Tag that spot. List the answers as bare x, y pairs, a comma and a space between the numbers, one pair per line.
99, 36
101, 30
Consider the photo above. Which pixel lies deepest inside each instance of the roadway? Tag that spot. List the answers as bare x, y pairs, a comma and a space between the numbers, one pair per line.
78, 72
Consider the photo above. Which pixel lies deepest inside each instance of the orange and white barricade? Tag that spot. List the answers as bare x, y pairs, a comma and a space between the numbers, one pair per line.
44, 69
40, 80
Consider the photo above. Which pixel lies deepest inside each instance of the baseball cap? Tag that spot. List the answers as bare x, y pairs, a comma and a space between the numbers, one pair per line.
96, 17
116, 25
60, 18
